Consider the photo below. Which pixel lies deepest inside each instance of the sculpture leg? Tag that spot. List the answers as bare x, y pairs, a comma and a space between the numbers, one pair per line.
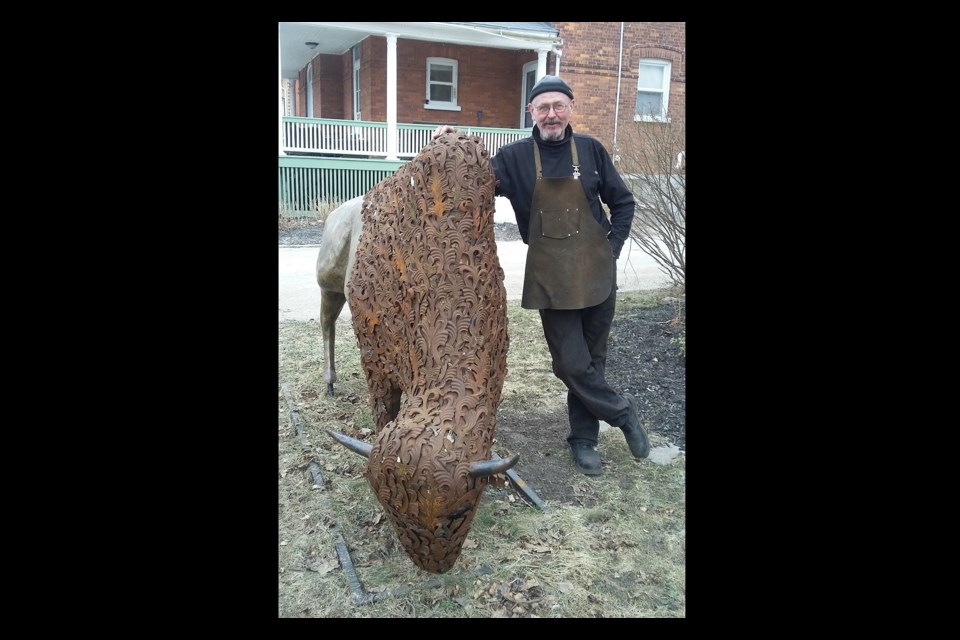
331, 303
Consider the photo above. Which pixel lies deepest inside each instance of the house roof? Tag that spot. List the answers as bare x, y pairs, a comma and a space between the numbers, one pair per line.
337, 37
533, 27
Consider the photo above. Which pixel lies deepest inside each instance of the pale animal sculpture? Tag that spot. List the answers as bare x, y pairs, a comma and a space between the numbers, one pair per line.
338, 250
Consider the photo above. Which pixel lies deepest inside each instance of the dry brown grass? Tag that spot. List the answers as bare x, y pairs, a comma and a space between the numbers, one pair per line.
623, 556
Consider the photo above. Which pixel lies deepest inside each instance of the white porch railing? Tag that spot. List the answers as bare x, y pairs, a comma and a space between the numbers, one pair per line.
329, 137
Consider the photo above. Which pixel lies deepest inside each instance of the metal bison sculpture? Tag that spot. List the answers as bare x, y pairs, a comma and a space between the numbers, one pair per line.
426, 294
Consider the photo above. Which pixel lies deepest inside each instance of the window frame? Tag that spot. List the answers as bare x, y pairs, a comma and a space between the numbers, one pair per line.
450, 105
664, 90
530, 67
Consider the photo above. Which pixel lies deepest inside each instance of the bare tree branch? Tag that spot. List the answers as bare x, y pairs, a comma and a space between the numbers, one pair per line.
652, 161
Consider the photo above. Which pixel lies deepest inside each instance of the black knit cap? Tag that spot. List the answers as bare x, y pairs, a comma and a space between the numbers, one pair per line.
550, 83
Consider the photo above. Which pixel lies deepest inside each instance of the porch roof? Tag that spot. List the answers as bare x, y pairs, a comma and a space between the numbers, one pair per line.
337, 37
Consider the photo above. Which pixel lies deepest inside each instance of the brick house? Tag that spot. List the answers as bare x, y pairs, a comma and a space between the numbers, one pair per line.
479, 74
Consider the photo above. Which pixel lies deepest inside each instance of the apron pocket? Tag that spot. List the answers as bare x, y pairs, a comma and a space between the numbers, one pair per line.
559, 223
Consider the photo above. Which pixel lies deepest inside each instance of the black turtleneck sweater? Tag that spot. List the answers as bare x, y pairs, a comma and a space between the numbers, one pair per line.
516, 175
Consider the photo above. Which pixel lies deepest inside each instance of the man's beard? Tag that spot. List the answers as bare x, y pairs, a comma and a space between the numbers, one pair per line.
555, 134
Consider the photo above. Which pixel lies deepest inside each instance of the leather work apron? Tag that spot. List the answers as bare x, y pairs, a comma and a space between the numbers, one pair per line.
570, 262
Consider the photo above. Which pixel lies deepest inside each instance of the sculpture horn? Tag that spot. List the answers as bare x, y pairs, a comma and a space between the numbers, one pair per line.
484, 468
357, 446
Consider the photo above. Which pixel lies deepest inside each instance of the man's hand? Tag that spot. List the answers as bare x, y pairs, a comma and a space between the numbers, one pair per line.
442, 129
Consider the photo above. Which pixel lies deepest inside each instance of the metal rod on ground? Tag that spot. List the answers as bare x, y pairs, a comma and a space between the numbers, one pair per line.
294, 412
522, 486
359, 595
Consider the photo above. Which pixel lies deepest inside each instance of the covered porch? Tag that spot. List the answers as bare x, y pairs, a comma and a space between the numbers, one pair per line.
326, 162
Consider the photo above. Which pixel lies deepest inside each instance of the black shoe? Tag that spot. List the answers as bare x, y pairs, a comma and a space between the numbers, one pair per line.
635, 435
586, 457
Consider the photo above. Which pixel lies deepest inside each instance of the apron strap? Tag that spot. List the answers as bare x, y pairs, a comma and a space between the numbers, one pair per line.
573, 150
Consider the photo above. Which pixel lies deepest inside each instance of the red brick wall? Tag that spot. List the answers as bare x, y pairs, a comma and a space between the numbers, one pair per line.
489, 81
328, 79
591, 57
328, 87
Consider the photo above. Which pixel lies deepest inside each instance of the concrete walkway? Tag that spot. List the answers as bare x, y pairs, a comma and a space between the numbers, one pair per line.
299, 293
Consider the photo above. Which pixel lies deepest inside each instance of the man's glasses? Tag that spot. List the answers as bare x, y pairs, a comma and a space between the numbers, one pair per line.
558, 108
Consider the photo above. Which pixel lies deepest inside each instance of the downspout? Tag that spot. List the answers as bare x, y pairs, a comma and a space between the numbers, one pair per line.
616, 109
556, 61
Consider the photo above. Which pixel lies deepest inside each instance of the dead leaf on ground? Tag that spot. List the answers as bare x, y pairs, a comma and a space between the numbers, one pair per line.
322, 566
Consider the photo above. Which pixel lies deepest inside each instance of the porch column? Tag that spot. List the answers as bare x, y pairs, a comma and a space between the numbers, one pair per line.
542, 62
392, 97
280, 87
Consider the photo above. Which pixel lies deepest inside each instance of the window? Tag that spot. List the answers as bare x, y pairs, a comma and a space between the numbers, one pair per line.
529, 79
287, 93
441, 84
653, 91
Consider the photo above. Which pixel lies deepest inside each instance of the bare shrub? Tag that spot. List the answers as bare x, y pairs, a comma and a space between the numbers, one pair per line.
319, 210
652, 161
322, 208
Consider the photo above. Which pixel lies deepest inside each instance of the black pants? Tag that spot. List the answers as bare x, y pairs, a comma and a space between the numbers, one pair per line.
578, 345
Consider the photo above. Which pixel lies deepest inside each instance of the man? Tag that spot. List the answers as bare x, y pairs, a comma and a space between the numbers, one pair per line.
556, 181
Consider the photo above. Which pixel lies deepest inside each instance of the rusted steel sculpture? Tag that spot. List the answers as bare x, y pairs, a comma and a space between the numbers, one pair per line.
429, 310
